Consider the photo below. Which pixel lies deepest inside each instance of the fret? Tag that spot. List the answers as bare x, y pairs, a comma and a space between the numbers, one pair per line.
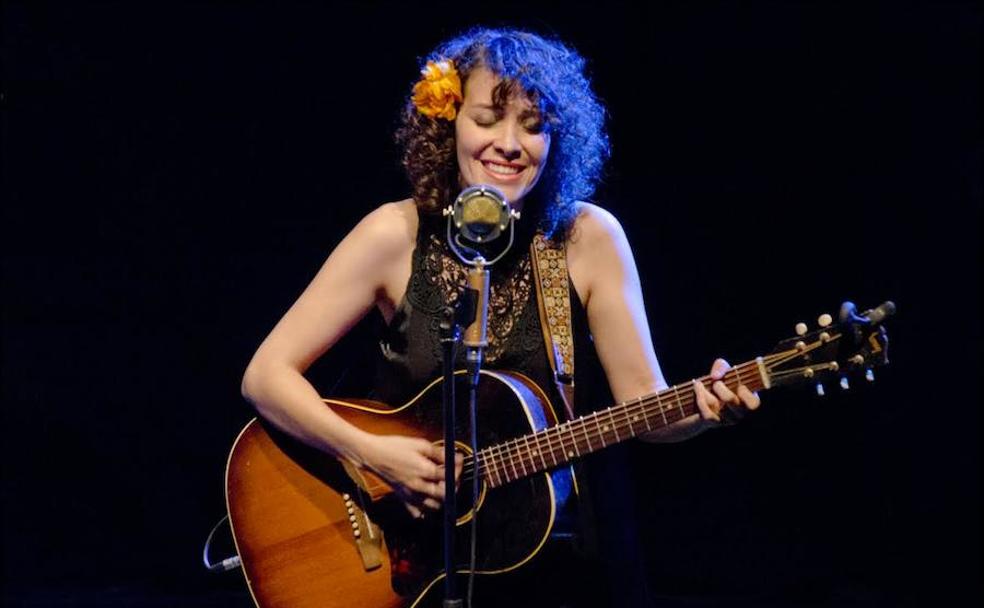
553, 454
737, 376
662, 410
683, 413
645, 414
565, 449
570, 429
502, 462
492, 469
631, 419
539, 450
600, 432
583, 424
560, 442
522, 458
611, 419
512, 463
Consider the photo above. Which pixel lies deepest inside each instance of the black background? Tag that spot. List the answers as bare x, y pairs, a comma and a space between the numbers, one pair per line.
174, 174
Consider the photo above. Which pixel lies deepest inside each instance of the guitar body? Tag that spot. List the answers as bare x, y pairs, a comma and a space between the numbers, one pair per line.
313, 531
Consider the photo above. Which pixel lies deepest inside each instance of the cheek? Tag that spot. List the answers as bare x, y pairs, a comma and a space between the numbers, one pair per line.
464, 145
541, 150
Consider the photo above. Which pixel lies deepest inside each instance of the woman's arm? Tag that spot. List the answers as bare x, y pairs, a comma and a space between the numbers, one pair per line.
348, 285
604, 273
369, 267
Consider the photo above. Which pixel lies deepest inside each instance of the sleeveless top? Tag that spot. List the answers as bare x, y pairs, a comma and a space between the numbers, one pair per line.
410, 357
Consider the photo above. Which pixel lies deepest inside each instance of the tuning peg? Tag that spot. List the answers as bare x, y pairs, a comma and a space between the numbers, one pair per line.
824, 320
869, 375
820, 391
801, 329
844, 384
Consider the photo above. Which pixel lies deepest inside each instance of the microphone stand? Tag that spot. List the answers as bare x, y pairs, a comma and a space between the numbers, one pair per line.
450, 334
471, 311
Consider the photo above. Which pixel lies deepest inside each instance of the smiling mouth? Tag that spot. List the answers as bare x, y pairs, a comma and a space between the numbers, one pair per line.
502, 169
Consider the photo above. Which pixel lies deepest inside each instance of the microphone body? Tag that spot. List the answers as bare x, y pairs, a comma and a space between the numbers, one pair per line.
476, 334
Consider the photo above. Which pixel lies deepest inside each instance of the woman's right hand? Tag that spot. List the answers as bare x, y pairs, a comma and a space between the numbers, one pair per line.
414, 467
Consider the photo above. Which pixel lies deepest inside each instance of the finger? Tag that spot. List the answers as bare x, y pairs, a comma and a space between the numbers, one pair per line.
750, 399
429, 489
706, 403
435, 452
724, 393
459, 464
719, 368
431, 503
731, 411
432, 471
415, 512
420, 487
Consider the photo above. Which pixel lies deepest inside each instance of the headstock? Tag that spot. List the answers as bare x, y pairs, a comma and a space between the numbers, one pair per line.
854, 344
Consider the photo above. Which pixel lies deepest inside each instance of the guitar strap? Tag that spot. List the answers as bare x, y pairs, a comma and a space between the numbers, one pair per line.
554, 302
553, 292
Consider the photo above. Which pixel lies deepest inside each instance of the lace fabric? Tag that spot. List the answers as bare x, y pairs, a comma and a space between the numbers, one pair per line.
509, 293
411, 345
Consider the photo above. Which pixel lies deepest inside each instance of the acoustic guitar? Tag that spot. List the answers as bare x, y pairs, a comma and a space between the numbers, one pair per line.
314, 531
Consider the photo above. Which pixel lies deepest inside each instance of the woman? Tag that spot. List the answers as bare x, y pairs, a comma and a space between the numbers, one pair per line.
514, 111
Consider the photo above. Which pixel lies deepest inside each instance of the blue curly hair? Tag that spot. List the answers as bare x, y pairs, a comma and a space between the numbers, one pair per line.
552, 76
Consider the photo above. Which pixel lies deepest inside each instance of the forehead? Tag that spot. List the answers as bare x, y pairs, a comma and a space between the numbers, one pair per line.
480, 88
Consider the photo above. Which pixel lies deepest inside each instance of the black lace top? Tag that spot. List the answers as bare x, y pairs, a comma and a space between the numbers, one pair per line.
411, 347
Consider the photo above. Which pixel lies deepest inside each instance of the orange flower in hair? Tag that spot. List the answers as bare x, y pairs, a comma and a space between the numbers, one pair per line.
439, 91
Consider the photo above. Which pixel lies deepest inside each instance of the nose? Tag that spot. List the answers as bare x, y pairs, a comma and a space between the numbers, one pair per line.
507, 141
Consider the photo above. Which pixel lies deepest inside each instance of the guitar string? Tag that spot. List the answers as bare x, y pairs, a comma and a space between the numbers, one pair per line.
622, 416
516, 453
625, 411
619, 416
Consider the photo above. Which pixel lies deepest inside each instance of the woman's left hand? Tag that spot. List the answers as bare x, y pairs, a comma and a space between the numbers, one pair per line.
721, 405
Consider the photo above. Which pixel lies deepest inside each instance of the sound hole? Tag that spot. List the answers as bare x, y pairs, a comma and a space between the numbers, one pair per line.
464, 503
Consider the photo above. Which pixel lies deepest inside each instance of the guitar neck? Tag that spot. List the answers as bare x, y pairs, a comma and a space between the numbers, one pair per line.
559, 445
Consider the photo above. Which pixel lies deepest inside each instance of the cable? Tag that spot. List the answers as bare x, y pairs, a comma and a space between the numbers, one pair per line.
225, 565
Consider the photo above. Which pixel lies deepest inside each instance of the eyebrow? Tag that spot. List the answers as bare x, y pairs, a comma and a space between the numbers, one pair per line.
532, 111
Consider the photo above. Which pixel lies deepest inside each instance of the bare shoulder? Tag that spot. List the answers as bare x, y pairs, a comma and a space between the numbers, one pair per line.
597, 250
594, 228
379, 251
391, 226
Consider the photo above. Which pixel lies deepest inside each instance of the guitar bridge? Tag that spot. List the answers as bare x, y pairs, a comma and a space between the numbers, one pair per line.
367, 535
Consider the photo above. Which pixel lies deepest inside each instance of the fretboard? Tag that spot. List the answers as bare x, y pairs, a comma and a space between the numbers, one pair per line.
558, 445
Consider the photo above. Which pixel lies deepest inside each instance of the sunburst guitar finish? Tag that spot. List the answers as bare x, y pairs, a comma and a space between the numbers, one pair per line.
317, 532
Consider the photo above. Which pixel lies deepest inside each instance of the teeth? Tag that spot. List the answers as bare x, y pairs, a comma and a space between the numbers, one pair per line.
494, 168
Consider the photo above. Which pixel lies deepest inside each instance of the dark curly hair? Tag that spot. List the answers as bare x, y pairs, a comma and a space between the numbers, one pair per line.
552, 76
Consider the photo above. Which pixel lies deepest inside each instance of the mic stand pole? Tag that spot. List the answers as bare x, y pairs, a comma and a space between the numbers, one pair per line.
472, 311
450, 334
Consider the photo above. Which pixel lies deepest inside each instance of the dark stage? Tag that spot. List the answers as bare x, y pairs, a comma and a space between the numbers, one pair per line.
175, 173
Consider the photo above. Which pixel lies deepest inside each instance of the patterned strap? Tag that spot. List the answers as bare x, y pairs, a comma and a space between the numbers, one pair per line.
554, 301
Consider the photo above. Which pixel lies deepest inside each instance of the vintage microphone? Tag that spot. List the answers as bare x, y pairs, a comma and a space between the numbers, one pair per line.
479, 215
